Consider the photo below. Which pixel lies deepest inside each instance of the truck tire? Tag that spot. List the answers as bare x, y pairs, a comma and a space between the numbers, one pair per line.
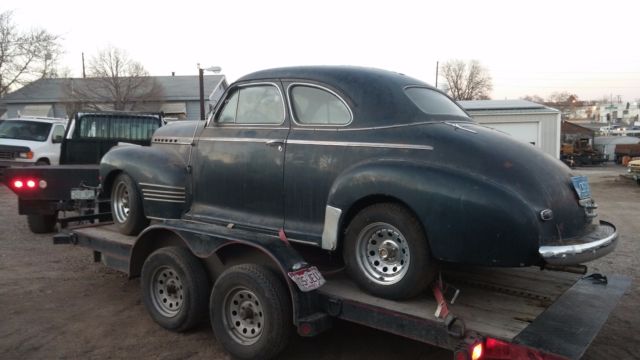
175, 288
41, 224
250, 312
386, 252
126, 206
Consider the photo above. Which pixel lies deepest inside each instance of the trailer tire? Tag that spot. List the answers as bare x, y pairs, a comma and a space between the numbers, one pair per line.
386, 252
250, 312
42, 224
175, 288
126, 206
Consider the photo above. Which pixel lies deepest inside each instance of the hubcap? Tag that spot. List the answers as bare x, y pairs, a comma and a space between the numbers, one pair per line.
121, 202
167, 291
243, 315
383, 253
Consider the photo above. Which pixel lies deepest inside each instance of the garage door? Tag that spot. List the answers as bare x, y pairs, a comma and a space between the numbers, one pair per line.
524, 131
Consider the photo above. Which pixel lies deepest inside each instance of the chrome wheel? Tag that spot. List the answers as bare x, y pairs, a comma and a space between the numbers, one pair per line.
243, 316
382, 253
167, 292
121, 207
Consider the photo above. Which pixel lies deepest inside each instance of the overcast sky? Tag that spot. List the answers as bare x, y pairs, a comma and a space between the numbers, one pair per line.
533, 47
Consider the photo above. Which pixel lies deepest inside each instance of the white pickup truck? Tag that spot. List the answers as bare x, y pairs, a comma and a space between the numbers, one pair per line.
29, 141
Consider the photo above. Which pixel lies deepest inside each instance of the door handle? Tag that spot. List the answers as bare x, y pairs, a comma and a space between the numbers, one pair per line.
276, 143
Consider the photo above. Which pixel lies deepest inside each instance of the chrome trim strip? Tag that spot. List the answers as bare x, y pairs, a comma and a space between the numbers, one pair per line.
284, 105
330, 231
361, 144
430, 122
146, 195
303, 242
163, 200
150, 191
163, 186
233, 139
157, 218
322, 88
171, 140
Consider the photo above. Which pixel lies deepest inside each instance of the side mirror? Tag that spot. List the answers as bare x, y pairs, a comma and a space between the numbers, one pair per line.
57, 139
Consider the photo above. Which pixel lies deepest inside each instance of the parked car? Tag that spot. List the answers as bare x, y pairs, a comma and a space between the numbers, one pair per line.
633, 167
30, 141
375, 165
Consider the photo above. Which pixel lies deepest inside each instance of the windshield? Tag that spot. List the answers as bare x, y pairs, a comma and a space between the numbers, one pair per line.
433, 103
24, 130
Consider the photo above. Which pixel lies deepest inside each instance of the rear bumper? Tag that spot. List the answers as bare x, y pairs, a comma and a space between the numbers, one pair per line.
596, 244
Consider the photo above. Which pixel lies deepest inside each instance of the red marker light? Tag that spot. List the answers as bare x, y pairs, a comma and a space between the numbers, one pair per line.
31, 184
18, 184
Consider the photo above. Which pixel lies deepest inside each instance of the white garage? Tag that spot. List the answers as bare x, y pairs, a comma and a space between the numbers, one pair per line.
526, 121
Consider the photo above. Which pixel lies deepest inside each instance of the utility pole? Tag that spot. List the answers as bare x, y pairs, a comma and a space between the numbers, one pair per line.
437, 68
84, 75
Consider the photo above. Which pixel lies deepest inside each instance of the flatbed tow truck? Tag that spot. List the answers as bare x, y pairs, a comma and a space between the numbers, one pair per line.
478, 313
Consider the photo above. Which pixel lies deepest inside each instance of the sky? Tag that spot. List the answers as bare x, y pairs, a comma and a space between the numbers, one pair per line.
537, 47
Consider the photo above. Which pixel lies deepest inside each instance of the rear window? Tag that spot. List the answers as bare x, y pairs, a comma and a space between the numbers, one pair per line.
432, 102
25, 130
117, 127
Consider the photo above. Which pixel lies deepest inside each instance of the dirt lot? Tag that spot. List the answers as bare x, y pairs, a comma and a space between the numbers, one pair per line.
57, 303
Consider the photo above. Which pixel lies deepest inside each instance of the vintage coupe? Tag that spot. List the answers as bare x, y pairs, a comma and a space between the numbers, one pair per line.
374, 164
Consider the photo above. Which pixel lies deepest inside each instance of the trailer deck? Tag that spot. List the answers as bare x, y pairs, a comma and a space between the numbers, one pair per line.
553, 313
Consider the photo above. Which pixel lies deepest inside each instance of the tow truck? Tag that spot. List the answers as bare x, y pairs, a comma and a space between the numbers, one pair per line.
253, 287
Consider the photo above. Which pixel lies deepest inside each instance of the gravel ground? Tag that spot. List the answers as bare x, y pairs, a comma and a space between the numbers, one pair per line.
57, 303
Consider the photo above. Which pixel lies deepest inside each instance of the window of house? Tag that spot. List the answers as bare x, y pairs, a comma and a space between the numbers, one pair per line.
313, 105
260, 104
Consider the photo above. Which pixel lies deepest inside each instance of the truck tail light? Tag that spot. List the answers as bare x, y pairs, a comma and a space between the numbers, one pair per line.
18, 184
31, 184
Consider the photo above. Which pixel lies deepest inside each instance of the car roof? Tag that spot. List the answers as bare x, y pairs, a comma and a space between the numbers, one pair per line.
376, 96
40, 119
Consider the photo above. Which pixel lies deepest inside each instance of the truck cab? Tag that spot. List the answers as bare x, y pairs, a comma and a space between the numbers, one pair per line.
27, 141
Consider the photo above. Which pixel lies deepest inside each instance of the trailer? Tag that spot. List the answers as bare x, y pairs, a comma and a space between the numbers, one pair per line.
477, 313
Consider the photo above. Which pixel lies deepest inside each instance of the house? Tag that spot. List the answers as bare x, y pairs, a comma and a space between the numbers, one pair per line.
179, 97
526, 121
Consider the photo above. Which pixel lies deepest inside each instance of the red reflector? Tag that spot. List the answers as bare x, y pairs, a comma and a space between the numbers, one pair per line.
31, 184
476, 353
18, 184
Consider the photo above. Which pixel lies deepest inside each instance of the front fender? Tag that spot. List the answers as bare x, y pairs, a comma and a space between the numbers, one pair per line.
160, 175
466, 217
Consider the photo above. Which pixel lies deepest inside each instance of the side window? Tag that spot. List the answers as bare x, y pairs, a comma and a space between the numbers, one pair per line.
260, 104
58, 131
312, 105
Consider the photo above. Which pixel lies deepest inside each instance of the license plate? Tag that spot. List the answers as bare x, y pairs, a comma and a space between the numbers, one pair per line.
83, 194
581, 185
307, 279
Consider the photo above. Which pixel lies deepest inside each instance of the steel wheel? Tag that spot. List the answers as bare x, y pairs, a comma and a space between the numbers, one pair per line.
243, 315
166, 291
382, 253
121, 202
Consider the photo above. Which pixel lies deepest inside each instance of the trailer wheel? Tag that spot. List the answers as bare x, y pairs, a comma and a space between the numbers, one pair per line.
41, 224
175, 289
386, 252
126, 206
250, 312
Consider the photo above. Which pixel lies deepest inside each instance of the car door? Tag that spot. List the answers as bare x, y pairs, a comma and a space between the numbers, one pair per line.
239, 159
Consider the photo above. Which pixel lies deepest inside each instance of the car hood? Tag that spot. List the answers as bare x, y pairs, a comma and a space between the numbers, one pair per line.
22, 143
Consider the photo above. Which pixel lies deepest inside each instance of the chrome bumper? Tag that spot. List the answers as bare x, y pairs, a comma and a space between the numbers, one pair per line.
596, 244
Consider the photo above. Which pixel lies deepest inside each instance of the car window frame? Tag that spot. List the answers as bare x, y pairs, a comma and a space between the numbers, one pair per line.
213, 122
334, 93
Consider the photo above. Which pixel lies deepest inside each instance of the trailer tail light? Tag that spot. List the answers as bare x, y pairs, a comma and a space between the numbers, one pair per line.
498, 350
31, 184
476, 352
18, 184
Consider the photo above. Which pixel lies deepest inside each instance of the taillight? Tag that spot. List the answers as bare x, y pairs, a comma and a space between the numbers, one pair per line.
30, 183
476, 352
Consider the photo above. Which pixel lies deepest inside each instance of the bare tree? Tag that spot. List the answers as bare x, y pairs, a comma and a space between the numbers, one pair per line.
562, 97
534, 98
467, 80
115, 82
25, 56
